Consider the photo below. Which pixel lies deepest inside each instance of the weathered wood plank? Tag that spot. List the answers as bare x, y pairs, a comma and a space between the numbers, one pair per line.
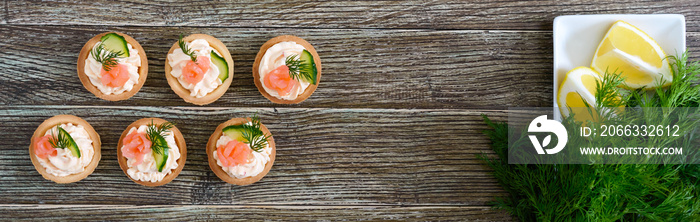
361, 68
436, 14
324, 157
4, 11
247, 213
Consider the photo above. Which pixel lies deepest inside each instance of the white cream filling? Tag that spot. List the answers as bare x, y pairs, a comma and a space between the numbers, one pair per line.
147, 170
65, 163
178, 60
93, 71
274, 57
251, 169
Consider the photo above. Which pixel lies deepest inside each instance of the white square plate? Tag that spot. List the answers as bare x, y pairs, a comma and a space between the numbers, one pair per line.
576, 38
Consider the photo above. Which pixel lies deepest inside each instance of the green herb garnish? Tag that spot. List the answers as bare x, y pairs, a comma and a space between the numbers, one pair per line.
58, 139
297, 69
186, 50
257, 140
156, 134
107, 58
611, 192
61, 139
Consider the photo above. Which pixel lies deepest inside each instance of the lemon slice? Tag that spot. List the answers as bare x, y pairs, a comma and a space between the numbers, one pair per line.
578, 86
629, 50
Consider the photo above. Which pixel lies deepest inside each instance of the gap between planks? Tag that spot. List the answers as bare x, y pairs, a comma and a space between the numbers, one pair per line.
4, 23
285, 206
218, 108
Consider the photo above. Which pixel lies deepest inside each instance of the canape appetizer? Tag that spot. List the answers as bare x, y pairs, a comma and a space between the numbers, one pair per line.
241, 151
152, 151
113, 66
287, 69
65, 149
199, 68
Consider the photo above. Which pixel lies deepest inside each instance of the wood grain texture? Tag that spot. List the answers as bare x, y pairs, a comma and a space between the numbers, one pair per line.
392, 132
361, 68
4, 11
414, 14
247, 213
394, 157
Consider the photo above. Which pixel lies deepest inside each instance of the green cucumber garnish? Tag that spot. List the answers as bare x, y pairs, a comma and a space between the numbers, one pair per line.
115, 43
221, 64
302, 67
63, 140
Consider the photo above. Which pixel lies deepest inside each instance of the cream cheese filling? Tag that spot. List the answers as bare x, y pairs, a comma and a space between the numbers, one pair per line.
147, 170
93, 70
274, 57
65, 163
178, 60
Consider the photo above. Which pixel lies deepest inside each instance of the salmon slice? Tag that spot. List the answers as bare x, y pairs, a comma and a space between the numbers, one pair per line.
43, 148
193, 72
280, 81
234, 153
136, 145
116, 76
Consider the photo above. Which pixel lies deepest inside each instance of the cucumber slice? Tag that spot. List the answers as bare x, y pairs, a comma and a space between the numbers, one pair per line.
309, 64
115, 43
235, 132
221, 64
72, 146
161, 159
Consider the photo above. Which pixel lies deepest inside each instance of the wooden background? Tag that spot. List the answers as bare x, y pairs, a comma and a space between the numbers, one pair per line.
392, 132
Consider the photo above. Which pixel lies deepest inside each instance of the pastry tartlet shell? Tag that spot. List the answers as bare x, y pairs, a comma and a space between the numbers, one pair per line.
256, 66
211, 147
179, 140
57, 120
185, 93
143, 70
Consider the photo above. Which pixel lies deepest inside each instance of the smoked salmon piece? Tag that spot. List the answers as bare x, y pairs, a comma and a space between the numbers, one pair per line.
44, 149
234, 153
280, 81
136, 145
116, 76
193, 72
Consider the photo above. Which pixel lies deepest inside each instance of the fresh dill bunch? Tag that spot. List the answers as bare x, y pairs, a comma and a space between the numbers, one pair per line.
107, 58
578, 192
156, 134
297, 69
186, 49
610, 192
58, 139
257, 140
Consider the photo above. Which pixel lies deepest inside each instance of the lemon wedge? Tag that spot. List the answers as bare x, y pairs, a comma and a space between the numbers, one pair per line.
629, 50
578, 86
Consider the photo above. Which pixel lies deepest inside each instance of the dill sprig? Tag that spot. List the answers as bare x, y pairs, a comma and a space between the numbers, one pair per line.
297, 69
257, 140
185, 49
608, 91
107, 58
58, 139
156, 134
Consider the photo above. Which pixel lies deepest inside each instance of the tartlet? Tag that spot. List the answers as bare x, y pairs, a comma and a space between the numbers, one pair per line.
186, 94
309, 89
218, 169
178, 140
55, 122
90, 86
